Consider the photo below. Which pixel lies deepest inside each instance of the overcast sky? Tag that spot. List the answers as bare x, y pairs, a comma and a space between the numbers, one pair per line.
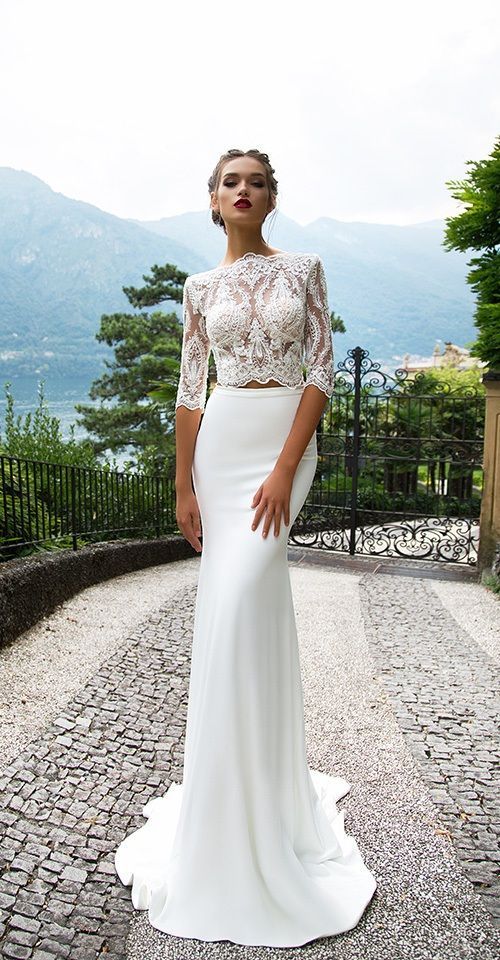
365, 109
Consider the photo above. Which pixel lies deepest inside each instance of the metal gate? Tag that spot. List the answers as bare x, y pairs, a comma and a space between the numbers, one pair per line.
399, 471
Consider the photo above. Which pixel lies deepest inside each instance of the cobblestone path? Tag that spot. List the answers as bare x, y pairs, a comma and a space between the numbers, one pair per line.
72, 794
69, 798
445, 691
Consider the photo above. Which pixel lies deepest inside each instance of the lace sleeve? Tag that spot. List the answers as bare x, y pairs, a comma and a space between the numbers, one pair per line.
318, 348
192, 388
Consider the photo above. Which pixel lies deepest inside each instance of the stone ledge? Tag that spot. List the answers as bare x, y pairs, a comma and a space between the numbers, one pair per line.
32, 587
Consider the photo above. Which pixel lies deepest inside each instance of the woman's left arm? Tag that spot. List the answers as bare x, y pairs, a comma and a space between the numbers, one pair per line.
273, 496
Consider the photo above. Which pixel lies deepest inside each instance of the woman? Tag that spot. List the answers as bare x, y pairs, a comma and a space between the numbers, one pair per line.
250, 847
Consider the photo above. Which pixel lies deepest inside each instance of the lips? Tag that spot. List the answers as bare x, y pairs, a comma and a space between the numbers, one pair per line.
243, 203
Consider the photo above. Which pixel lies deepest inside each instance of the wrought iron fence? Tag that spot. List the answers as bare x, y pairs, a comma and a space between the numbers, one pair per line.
399, 471
399, 474
44, 502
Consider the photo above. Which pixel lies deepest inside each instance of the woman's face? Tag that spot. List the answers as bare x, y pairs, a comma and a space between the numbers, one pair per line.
242, 178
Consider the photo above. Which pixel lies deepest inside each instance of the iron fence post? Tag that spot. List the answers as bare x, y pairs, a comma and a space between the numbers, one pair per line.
158, 534
357, 354
73, 507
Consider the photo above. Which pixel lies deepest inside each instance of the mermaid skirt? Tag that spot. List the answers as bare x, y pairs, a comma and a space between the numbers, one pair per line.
250, 847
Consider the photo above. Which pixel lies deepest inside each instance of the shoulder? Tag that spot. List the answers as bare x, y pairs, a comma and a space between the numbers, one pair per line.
299, 263
190, 299
309, 266
316, 272
197, 283
315, 261
306, 261
304, 258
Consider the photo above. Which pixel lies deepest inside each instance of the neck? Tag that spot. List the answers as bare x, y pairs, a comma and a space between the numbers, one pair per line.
239, 243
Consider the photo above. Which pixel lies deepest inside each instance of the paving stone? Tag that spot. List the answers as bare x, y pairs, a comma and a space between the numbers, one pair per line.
73, 873
23, 936
16, 950
25, 923
31, 907
6, 901
58, 949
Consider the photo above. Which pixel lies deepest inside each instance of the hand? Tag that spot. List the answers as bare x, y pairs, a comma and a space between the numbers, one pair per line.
273, 499
187, 515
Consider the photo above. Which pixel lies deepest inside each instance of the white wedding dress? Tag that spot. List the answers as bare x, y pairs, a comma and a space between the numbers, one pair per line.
250, 847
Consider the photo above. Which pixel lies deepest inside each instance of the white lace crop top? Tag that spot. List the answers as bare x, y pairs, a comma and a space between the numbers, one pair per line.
263, 317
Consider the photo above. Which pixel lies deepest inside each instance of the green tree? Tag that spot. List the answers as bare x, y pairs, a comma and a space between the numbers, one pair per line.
147, 350
38, 436
338, 325
477, 227
37, 488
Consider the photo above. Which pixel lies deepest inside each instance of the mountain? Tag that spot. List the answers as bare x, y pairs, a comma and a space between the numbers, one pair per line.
63, 263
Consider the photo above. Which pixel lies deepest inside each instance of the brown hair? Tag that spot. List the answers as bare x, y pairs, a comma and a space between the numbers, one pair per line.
214, 179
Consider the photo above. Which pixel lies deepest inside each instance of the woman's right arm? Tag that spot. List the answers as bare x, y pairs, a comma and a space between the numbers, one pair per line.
189, 406
187, 510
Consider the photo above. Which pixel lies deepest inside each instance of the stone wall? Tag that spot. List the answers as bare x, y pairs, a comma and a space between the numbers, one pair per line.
32, 587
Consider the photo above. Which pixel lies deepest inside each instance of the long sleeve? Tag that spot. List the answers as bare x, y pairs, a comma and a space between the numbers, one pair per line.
318, 347
192, 388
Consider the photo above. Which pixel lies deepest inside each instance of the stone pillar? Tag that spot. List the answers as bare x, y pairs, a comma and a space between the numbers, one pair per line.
489, 530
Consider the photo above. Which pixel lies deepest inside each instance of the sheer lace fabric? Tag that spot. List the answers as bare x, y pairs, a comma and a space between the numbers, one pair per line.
263, 318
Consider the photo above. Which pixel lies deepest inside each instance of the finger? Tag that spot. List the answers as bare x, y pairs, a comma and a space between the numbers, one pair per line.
260, 512
196, 543
277, 521
268, 521
188, 535
256, 496
257, 516
194, 533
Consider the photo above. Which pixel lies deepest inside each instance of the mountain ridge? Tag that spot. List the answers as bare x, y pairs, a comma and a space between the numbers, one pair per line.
63, 263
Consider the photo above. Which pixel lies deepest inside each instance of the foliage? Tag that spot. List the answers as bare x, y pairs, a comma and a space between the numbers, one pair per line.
39, 437
338, 325
492, 582
431, 425
49, 481
448, 380
143, 378
477, 227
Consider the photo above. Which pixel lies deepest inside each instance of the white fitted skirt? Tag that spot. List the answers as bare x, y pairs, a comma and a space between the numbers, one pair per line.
250, 847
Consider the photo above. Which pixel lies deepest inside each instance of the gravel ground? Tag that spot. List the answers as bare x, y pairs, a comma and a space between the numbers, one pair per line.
42, 668
86, 758
476, 609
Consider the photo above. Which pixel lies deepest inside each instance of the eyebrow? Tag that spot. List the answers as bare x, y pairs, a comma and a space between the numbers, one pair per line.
232, 173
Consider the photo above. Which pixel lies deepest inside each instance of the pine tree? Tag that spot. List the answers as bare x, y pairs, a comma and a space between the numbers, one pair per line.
147, 349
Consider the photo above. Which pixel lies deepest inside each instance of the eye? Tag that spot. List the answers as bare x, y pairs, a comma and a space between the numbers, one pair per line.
232, 183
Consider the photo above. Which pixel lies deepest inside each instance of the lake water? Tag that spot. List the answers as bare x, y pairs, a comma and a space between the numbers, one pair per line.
60, 396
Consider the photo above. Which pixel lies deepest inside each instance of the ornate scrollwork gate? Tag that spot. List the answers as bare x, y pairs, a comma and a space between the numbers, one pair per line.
399, 470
